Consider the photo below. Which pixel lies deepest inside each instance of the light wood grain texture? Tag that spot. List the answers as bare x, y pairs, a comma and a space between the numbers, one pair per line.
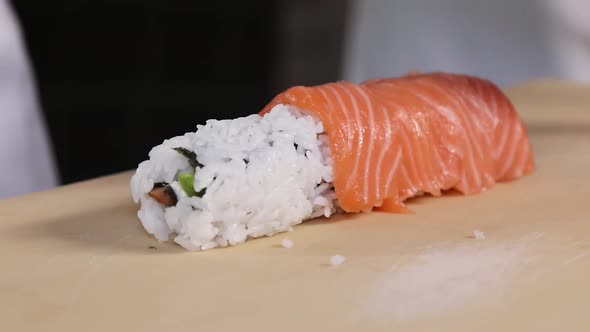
77, 259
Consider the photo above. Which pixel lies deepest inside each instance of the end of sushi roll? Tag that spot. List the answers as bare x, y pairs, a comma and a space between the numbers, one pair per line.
236, 179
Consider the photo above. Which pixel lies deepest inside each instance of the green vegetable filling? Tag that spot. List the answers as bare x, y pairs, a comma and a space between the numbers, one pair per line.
187, 179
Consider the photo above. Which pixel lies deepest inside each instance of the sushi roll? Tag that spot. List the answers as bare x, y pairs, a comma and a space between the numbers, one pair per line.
333, 148
236, 179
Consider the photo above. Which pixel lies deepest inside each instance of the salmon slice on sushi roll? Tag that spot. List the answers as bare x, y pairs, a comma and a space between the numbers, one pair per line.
333, 148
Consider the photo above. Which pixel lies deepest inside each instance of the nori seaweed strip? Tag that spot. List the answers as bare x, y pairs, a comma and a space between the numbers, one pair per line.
201, 192
191, 156
192, 160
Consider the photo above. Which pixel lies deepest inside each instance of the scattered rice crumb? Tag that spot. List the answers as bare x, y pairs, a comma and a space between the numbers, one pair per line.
286, 243
337, 260
479, 235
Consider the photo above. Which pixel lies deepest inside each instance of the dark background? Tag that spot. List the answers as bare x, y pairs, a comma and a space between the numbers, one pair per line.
117, 77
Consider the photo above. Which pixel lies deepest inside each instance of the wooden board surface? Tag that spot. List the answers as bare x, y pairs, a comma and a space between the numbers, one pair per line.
76, 258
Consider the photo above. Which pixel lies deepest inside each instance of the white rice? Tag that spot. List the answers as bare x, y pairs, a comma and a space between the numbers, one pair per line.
337, 260
479, 235
286, 243
278, 187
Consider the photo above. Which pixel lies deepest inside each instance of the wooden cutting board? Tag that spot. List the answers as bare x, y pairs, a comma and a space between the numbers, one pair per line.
76, 258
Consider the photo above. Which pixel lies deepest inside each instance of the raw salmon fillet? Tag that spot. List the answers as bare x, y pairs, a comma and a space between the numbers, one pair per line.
395, 138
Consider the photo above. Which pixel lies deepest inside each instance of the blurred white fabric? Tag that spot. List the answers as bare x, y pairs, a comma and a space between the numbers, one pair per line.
26, 160
506, 41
